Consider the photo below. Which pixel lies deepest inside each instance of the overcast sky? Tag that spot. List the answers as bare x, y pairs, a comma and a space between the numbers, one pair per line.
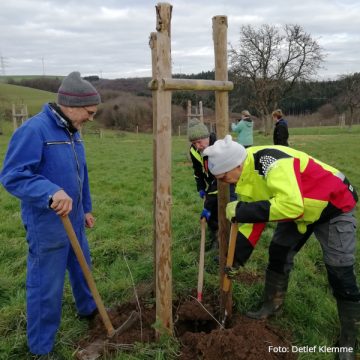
110, 38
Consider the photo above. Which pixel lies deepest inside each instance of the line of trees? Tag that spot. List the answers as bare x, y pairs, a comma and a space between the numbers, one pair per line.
271, 67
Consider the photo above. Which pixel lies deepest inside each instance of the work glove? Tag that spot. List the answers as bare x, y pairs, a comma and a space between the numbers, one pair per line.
231, 210
202, 193
205, 214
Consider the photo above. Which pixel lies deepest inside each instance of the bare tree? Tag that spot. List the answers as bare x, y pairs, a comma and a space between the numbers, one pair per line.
272, 59
350, 97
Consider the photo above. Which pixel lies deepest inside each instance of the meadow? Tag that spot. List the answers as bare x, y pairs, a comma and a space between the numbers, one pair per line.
34, 99
120, 172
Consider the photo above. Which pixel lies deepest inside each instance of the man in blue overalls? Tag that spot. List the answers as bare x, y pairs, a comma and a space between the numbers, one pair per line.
45, 168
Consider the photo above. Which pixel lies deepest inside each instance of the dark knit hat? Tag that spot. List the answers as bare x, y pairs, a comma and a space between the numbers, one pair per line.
197, 130
76, 92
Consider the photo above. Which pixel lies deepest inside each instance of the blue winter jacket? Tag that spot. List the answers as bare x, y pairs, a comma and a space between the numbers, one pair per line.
44, 157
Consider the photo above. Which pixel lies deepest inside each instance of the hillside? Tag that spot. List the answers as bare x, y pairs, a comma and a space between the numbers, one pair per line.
122, 110
138, 86
127, 105
13, 94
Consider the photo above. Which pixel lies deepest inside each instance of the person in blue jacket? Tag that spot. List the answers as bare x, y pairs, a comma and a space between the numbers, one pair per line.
45, 168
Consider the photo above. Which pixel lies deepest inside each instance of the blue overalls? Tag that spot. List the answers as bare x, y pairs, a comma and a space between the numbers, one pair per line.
44, 157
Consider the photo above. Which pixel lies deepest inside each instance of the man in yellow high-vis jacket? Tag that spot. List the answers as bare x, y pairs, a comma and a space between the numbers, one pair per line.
304, 196
206, 184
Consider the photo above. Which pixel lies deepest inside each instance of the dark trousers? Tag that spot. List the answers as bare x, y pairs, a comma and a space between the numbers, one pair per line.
211, 203
337, 239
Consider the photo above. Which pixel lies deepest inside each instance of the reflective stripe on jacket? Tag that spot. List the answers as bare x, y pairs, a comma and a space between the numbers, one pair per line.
203, 177
278, 183
282, 184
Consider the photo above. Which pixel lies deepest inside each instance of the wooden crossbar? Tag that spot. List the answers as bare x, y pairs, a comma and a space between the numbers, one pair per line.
191, 84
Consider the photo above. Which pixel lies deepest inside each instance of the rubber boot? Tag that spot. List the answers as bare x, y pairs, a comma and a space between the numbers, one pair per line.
274, 294
349, 316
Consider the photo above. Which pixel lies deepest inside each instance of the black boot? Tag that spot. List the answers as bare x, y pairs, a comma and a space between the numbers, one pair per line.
274, 294
349, 315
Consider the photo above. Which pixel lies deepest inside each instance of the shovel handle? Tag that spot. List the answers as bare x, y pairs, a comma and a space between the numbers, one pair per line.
230, 254
201, 261
87, 274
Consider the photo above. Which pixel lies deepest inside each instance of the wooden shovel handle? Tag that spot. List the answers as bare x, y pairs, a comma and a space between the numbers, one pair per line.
87, 274
230, 255
201, 260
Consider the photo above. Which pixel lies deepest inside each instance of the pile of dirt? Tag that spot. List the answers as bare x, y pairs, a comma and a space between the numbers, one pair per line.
201, 336
246, 339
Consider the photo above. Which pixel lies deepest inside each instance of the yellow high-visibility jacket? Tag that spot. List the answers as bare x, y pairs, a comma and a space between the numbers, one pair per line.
204, 179
279, 183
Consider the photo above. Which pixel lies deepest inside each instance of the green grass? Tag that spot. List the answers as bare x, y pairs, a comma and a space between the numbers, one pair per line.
34, 99
120, 170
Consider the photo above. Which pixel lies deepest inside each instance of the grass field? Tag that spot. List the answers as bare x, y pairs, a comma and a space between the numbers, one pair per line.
34, 99
120, 170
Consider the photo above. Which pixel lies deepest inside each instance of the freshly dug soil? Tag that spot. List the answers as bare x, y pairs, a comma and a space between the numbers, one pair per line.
200, 335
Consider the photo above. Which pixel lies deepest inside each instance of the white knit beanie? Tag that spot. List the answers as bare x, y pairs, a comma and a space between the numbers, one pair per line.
225, 155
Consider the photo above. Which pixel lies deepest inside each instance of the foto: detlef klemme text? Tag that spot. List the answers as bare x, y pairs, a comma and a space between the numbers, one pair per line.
310, 349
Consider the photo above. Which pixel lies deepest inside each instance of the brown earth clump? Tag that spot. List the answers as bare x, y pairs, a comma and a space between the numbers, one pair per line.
200, 335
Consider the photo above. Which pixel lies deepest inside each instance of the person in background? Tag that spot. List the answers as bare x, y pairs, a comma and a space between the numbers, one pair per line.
304, 196
45, 168
244, 129
281, 132
206, 184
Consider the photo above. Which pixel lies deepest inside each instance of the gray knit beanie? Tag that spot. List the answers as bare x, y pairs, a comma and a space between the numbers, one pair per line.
76, 92
197, 130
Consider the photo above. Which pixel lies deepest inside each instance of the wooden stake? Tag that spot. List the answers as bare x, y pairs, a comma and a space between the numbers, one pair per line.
162, 84
188, 112
222, 128
163, 173
201, 112
14, 117
153, 46
191, 84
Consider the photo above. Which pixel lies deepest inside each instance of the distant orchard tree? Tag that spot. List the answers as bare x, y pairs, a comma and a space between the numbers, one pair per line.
327, 111
350, 95
271, 59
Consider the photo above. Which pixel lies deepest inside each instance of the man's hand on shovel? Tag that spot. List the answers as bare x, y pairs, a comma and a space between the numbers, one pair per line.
61, 202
